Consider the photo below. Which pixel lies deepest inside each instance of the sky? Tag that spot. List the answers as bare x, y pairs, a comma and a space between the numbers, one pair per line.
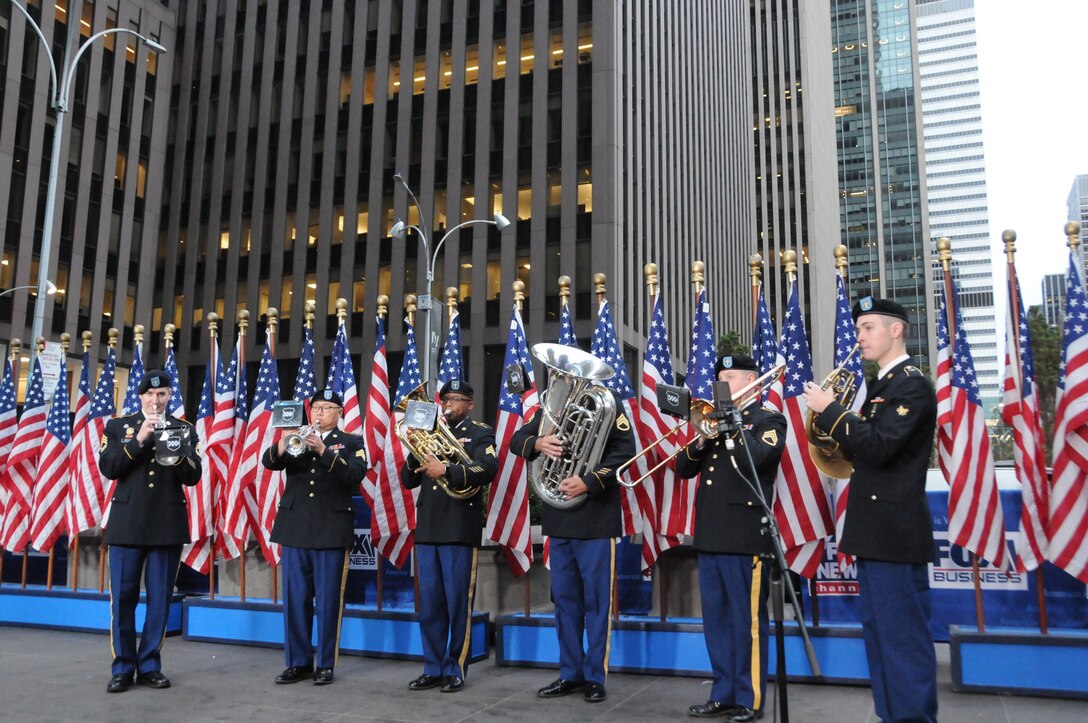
1032, 70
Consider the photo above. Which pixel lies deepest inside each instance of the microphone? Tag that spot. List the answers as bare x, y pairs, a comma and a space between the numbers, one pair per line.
725, 411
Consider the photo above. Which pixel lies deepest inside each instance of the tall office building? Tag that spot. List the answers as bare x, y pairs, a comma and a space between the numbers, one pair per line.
609, 134
882, 188
794, 160
110, 176
1054, 299
955, 170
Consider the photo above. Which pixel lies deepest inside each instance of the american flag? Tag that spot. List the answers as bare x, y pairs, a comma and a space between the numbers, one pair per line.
846, 337
82, 411
1021, 412
765, 352
175, 407
306, 378
566, 328
342, 381
135, 376
675, 498
90, 489
1068, 526
9, 421
975, 521
201, 497
228, 434
19, 475
377, 413
703, 356
451, 366
261, 487
51, 490
394, 518
801, 505
508, 504
639, 502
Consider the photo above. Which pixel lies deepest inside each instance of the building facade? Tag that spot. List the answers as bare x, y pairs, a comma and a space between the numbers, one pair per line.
882, 185
1053, 304
109, 191
1077, 205
955, 172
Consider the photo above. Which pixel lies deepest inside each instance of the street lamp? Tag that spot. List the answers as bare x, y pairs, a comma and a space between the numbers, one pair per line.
50, 288
426, 301
61, 84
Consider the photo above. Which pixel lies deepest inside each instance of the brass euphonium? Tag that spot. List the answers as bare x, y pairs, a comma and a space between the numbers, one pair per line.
825, 452
439, 443
581, 416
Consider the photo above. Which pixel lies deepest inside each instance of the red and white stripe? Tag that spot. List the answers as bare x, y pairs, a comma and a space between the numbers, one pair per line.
20, 475
228, 430
50, 492
201, 503
508, 506
76, 507
675, 496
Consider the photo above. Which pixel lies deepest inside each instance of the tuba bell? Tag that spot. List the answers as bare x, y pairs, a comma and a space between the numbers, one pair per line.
439, 443
581, 416
825, 452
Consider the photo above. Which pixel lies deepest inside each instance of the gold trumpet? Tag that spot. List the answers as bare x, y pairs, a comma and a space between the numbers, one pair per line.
700, 418
825, 452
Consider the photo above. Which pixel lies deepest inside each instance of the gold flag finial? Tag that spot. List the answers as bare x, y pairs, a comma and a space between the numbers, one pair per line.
842, 258
243, 321
755, 268
519, 292
649, 271
65, 342
341, 310
168, 334
1009, 237
138, 333
564, 290
213, 324
16, 347
273, 316
86, 337
112, 336
1072, 232
383, 305
410, 308
944, 252
600, 284
310, 312
698, 275
41, 344
451, 299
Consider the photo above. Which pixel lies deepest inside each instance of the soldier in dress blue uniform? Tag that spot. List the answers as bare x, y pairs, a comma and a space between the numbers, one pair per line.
447, 539
315, 523
148, 524
731, 535
888, 524
583, 556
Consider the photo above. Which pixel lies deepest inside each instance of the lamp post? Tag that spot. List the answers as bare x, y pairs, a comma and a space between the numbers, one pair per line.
426, 301
60, 84
50, 288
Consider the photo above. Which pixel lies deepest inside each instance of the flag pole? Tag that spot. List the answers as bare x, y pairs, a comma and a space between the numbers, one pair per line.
39, 345
243, 324
649, 271
944, 255
755, 273
519, 299
600, 282
410, 309
383, 310
273, 314
65, 342
86, 338
111, 336
1009, 237
213, 354
16, 346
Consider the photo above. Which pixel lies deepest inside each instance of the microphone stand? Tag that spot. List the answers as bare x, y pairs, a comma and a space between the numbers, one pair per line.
729, 420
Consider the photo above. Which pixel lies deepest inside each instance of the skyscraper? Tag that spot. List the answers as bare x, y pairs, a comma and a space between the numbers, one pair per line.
1054, 299
955, 170
882, 186
1078, 205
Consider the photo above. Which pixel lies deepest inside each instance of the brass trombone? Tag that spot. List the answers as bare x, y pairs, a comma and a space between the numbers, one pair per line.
700, 418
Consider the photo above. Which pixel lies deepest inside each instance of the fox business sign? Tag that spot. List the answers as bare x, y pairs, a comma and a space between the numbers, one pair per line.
361, 556
951, 570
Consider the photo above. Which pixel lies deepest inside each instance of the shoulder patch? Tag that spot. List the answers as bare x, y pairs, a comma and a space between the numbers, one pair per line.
361, 453
102, 444
913, 371
770, 437
623, 423
491, 449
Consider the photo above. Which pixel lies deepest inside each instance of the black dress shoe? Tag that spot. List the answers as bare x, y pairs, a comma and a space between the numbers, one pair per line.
294, 674
323, 676
560, 688
711, 709
595, 693
119, 683
154, 679
742, 714
452, 684
425, 682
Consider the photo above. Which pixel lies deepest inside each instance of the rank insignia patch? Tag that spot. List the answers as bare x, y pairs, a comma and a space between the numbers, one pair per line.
770, 437
622, 423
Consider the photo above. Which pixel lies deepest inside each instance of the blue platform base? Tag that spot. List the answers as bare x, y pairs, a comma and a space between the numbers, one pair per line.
1020, 661
364, 630
677, 647
82, 610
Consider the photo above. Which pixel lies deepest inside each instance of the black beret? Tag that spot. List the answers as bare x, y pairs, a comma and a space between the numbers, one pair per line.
154, 379
885, 307
456, 385
740, 362
326, 395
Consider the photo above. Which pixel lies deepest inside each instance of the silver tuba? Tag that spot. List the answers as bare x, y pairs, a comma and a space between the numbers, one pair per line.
581, 416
